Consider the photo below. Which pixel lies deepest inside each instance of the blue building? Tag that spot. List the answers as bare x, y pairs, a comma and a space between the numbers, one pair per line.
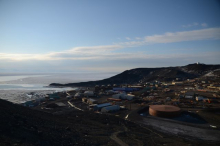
100, 106
125, 89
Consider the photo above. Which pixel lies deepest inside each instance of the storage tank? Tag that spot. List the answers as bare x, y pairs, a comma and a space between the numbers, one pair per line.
167, 111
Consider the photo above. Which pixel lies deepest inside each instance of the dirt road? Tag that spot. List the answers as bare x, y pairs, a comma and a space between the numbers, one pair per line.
117, 140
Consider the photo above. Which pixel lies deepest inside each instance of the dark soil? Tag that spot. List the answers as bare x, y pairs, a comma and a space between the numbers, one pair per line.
24, 126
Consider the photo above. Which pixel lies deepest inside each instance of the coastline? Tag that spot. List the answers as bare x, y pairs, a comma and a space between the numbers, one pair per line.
19, 95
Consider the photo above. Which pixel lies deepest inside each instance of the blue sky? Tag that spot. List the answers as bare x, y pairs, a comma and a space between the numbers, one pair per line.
107, 36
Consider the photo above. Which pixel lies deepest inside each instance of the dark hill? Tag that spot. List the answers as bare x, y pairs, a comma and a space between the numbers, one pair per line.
24, 126
150, 74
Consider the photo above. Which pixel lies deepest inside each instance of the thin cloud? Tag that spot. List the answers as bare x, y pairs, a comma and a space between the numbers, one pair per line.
204, 25
140, 59
203, 34
107, 51
95, 49
112, 62
137, 38
195, 24
169, 37
127, 38
190, 25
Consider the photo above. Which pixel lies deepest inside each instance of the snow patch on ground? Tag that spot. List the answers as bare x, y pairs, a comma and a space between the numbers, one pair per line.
184, 130
184, 70
211, 73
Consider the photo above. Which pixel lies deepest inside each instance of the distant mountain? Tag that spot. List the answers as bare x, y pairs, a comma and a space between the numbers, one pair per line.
151, 74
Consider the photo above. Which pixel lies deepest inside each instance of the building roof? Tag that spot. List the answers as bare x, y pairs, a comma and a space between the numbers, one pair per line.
103, 105
90, 99
60, 104
189, 93
113, 107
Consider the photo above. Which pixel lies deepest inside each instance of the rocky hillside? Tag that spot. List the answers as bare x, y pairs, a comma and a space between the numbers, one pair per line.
150, 74
24, 126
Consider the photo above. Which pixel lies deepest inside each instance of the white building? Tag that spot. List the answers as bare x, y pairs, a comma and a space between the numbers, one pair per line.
189, 95
200, 98
78, 95
130, 97
91, 101
88, 93
123, 96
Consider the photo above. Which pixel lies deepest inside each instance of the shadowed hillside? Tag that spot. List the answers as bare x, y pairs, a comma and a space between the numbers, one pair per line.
24, 126
150, 74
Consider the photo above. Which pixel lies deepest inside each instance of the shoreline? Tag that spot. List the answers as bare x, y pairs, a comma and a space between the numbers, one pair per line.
19, 96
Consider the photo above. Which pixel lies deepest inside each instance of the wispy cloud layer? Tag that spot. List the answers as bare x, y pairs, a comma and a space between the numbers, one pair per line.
127, 38
111, 62
190, 25
195, 24
203, 34
204, 24
108, 51
169, 37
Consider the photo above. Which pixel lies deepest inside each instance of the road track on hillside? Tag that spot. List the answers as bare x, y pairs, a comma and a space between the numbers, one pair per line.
117, 140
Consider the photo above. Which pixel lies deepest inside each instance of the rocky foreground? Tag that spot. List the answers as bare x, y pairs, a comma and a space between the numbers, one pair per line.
24, 126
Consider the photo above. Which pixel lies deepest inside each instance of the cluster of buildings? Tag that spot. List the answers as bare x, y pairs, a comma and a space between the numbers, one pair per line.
113, 98
179, 93
36, 99
109, 100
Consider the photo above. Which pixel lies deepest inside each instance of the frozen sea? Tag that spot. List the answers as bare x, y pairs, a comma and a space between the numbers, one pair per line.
14, 87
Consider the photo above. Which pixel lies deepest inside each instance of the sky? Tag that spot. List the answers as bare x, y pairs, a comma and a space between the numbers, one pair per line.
58, 36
